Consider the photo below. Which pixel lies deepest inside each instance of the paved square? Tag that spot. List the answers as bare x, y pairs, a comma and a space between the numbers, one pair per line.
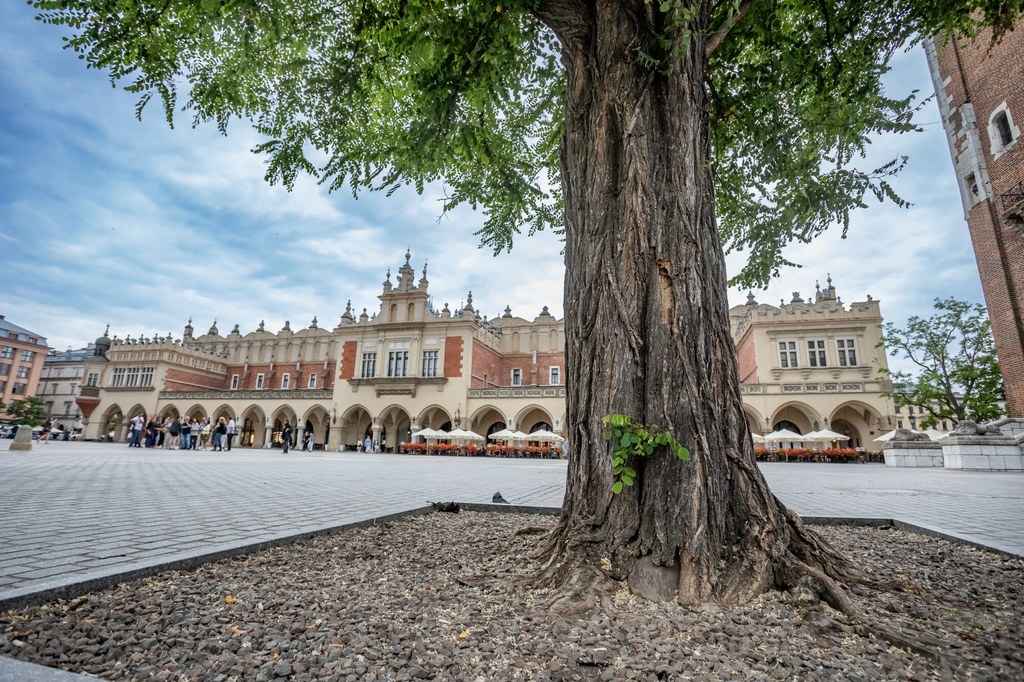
81, 511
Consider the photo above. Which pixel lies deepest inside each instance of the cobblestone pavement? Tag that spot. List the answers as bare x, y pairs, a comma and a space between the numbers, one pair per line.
74, 512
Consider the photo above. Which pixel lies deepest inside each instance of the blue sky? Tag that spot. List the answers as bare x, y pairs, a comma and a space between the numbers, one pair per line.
104, 219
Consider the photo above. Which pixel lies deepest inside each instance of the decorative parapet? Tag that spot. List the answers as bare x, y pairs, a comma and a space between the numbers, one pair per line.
129, 389
275, 394
398, 385
809, 387
525, 392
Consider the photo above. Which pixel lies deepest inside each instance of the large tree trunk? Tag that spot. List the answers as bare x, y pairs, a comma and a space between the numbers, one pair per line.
647, 329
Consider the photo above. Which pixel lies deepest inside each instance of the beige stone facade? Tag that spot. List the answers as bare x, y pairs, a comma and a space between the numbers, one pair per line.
409, 366
812, 365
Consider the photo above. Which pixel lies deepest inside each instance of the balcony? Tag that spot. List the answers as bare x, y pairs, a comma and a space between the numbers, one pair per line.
1013, 207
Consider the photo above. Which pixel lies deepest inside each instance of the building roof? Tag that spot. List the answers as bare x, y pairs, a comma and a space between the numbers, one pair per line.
8, 328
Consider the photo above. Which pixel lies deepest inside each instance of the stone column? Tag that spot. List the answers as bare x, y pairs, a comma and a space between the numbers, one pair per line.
334, 438
299, 435
414, 427
268, 435
376, 437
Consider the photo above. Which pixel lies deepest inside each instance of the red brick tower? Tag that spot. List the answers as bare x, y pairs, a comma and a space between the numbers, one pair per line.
980, 93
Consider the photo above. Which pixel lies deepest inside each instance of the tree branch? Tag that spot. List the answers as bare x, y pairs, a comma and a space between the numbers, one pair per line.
719, 36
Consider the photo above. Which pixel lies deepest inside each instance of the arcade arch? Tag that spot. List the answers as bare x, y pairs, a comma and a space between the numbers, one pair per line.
356, 424
392, 427
318, 421
533, 418
799, 415
856, 420
252, 428
487, 420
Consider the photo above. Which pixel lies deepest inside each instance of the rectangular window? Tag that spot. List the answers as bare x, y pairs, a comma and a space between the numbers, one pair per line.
787, 354
132, 377
19, 389
72, 389
259, 382
3, 386
369, 368
6, 352
67, 407
847, 352
555, 377
899, 423
49, 407
312, 381
517, 377
5, 370
429, 363
816, 353
23, 374
899, 409
146, 376
118, 378
94, 379
27, 355
234, 382
945, 425
286, 380
398, 359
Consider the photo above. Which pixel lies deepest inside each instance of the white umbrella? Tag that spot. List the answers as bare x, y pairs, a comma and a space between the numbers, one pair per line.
426, 433
783, 435
826, 435
545, 435
504, 434
519, 435
471, 435
758, 438
935, 434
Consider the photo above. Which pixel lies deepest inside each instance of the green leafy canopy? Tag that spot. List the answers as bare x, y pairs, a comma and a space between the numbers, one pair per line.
958, 374
374, 94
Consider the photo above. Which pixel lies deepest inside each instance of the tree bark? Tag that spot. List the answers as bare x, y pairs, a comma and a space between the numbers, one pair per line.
647, 329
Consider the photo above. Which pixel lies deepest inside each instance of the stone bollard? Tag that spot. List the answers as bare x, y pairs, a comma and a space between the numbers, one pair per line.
23, 438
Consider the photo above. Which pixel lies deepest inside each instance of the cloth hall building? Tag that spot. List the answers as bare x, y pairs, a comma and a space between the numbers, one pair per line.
804, 365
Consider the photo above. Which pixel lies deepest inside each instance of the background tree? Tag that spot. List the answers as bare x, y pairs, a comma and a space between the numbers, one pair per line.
958, 372
30, 411
621, 121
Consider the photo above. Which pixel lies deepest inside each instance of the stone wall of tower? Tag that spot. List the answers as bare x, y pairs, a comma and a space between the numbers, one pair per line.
976, 82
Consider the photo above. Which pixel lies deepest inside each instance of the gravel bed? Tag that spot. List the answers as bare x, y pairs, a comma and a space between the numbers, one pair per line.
386, 603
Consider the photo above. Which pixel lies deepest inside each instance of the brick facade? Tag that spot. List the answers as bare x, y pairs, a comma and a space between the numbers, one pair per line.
182, 380
453, 356
348, 360
979, 89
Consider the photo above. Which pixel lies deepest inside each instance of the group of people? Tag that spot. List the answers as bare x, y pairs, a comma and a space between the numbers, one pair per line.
182, 433
288, 441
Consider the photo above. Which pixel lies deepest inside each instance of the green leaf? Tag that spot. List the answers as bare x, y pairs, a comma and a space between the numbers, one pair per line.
617, 487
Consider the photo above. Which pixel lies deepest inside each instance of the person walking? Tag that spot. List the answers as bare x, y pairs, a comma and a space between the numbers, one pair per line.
286, 436
230, 431
186, 433
135, 434
367, 444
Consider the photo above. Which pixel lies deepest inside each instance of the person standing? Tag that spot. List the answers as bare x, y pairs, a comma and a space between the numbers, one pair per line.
286, 436
218, 435
230, 431
135, 435
367, 444
186, 433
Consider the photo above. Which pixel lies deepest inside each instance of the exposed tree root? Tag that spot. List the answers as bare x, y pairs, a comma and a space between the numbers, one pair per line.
808, 584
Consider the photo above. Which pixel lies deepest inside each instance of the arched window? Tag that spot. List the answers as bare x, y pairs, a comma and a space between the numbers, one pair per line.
1003, 129
1002, 133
